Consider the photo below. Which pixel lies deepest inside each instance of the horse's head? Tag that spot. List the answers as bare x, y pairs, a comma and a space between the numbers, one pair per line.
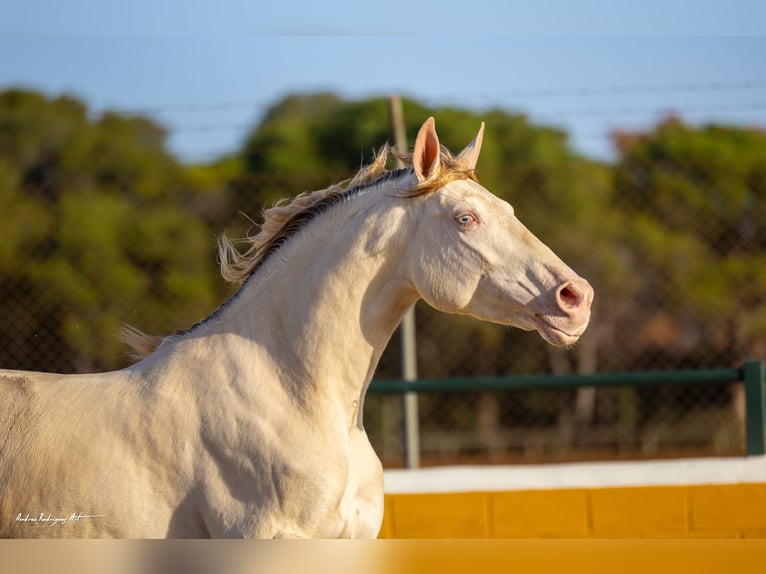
471, 255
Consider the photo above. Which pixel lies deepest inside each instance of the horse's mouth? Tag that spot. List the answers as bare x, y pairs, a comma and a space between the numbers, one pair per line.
555, 335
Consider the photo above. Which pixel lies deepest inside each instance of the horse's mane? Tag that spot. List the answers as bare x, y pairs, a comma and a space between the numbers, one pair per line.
284, 220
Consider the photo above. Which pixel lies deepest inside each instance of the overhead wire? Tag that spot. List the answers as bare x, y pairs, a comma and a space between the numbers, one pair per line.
518, 101
547, 93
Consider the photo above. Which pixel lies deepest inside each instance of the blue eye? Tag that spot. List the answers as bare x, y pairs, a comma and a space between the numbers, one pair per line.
466, 219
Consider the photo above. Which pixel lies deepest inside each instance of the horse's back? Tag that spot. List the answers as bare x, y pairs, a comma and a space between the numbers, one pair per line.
62, 453
17, 407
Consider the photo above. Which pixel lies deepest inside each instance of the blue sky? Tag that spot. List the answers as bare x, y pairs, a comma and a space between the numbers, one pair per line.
207, 70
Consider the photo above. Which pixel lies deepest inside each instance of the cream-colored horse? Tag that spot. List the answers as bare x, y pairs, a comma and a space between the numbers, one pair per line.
249, 424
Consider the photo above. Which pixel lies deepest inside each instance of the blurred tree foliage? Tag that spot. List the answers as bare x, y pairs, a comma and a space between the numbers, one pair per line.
99, 224
698, 202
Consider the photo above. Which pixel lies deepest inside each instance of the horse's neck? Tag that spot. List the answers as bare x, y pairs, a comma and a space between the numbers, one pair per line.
323, 311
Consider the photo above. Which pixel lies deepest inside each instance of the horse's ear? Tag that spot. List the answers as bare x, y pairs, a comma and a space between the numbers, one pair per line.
426, 157
471, 152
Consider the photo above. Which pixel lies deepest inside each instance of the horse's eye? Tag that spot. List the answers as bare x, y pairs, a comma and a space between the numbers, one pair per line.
466, 219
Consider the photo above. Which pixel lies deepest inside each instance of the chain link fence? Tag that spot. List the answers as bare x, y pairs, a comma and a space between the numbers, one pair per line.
675, 252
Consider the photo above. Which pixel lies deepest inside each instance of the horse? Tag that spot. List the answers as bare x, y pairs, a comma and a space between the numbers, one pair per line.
249, 424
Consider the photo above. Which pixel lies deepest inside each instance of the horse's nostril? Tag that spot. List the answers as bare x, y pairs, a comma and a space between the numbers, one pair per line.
569, 296
575, 297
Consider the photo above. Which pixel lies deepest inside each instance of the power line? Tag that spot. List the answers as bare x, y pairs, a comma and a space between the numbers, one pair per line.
554, 115
637, 89
743, 107
189, 108
537, 93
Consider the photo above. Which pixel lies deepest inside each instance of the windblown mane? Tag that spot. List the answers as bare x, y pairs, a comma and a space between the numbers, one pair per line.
284, 220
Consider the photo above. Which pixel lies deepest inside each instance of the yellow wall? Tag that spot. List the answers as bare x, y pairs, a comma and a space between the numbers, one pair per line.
706, 511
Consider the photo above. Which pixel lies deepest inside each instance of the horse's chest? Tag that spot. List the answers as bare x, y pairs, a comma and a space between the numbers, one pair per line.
348, 502
362, 502
347, 499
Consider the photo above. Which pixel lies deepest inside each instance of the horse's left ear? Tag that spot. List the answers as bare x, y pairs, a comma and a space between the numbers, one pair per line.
471, 152
426, 156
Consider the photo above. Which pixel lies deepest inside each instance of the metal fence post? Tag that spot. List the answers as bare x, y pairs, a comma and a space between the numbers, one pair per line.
407, 327
755, 407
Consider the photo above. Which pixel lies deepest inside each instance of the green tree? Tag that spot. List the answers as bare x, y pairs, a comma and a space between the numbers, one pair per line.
98, 227
698, 203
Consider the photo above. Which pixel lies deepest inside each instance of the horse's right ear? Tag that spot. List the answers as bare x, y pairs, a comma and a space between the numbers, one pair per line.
426, 156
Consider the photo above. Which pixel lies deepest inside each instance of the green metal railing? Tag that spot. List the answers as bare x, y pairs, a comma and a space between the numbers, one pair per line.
752, 374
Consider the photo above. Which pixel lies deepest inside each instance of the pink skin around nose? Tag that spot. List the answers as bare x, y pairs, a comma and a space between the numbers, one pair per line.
574, 299
564, 325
